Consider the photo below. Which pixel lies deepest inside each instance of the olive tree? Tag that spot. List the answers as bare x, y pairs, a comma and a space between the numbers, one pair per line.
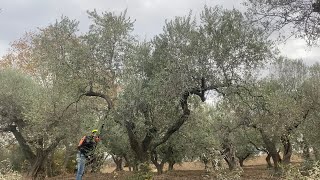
53, 57
20, 98
277, 106
188, 58
300, 17
309, 130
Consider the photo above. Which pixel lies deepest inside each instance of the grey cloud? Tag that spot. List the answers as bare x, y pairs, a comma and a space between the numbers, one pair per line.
151, 16
19, 16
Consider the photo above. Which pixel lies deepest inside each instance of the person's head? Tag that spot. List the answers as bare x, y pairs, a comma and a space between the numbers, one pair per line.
94, 132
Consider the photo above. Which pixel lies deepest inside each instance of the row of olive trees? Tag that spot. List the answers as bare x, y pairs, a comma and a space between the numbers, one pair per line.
145, 88
155, 79
278, 113
188, 59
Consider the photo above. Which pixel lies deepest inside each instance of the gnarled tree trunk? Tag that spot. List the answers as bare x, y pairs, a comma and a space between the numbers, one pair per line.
171, 164
316, 153
268, 159
243, 158
154, 160
229, 154
271, 148
118, 161
50, 165
37, 169
287, 149
306, 151
37, 160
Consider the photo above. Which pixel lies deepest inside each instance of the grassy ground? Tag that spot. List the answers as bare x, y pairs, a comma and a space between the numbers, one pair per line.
254, 169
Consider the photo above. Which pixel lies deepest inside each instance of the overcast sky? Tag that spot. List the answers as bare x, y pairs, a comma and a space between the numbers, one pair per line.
20, 16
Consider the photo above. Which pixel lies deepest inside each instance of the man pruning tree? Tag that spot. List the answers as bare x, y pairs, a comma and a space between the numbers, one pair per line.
86, 149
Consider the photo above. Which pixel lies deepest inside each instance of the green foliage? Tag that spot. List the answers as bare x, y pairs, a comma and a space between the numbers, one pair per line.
314, 173
143, 174
203, 141
188, 52
11, 175
17, 159
245, 140
155, 85
292, 172
16, 96
225, 174
17, 89
10, 163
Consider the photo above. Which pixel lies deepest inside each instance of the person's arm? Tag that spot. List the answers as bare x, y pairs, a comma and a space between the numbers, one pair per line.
81, 141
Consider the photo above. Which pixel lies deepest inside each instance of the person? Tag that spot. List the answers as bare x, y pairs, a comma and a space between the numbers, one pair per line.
86, 149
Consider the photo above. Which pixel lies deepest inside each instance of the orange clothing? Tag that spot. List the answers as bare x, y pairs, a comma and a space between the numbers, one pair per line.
96, 139
81, 140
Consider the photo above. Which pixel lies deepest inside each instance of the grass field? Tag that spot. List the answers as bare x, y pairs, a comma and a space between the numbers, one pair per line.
254, 169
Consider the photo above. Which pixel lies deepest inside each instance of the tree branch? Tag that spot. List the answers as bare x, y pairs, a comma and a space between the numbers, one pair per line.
103, 96
55, 143
200, 91
30, 156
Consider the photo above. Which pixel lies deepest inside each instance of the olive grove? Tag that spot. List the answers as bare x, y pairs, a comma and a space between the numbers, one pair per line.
151, 95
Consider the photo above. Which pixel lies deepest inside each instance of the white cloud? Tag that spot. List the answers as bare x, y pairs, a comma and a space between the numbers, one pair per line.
3, 47
298, 49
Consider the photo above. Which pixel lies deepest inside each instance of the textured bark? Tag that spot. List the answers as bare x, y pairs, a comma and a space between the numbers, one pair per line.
128, 163
37, 169
103, 96
170, 166
70, 152
287, 149
229, 155
243, 158
306, 150
268, 159
26, 150
159, 165
271, 148
241, 162
316, 153
231, 161
205, 161
140, 153
118, 161
50, 166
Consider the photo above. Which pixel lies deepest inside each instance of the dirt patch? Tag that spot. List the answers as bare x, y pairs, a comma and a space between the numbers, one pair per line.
253, 172
250, 173
183, 174
95, 176
255, 168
